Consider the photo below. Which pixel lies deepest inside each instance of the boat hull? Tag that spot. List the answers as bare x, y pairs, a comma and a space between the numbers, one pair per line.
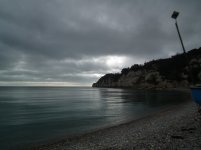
196, 94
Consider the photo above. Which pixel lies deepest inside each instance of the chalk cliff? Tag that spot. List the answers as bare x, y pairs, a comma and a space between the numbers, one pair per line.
178, 71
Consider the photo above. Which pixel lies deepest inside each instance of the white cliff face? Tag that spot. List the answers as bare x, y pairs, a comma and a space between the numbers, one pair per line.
131, 79
153, 77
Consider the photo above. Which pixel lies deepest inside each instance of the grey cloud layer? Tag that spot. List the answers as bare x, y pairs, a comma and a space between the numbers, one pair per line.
53, 40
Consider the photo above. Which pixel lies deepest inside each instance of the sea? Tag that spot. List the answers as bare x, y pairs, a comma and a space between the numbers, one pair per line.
33, 115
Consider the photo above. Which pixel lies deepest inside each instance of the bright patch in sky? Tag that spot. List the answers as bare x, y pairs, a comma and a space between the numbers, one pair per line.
115, 61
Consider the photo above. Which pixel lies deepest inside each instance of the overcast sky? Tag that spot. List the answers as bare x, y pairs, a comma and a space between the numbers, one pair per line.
74, 42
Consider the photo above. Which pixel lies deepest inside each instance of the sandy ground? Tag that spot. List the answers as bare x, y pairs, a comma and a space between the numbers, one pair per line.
178, 127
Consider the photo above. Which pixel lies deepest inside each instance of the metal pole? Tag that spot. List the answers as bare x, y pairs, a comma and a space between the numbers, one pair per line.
186, 57
180, 37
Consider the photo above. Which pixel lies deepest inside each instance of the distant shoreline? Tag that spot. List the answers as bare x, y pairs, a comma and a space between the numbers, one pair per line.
145, 132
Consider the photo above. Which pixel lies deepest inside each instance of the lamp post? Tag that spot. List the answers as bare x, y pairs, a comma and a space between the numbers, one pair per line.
174, 16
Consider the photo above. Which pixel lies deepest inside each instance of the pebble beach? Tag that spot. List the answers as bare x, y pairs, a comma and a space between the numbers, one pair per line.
178, 127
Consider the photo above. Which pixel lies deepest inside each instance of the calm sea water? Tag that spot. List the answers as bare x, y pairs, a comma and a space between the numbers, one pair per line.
39, 114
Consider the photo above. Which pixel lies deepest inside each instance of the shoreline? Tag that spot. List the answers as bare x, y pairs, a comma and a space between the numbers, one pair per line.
166, 129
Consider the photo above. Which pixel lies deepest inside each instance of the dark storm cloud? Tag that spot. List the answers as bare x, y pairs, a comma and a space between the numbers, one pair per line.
77, 40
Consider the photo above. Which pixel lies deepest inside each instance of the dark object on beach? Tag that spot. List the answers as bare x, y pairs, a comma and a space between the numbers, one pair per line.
188, 129
199, 110
177, 137
196, 94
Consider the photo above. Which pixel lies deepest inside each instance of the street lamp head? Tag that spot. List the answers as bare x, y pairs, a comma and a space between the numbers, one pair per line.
175, 15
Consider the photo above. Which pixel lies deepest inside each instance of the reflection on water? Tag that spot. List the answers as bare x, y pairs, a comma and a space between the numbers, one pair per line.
36, 114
